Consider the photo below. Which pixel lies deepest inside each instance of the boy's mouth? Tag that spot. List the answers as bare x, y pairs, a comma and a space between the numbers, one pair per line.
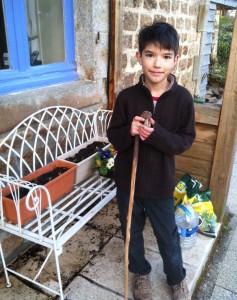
156, 74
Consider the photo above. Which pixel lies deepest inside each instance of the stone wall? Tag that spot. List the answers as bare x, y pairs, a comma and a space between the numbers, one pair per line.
181, 14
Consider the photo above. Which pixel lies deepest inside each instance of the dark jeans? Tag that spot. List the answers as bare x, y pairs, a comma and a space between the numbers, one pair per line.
161, 216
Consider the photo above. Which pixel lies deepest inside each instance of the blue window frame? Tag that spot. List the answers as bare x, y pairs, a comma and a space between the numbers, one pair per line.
21, 75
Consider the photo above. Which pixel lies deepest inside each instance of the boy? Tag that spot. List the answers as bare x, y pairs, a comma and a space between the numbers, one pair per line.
172, 132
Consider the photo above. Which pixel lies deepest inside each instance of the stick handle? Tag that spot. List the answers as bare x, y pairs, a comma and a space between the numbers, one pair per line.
129, 216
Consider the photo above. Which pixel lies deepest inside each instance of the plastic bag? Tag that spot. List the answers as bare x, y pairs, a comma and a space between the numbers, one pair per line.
188, 190
202, 204
186, 185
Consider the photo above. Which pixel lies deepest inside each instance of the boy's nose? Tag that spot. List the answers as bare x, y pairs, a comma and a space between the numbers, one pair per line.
157, 62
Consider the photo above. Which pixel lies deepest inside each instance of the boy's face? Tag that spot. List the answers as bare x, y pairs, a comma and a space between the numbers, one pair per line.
156, 64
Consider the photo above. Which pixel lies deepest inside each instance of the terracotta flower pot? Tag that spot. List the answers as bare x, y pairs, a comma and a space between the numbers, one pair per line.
57, 188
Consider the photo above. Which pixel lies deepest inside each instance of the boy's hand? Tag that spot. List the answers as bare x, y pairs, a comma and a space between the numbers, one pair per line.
136, 123
137, 127
145, 131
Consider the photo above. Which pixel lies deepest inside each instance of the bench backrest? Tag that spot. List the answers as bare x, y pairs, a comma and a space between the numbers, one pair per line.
47, 134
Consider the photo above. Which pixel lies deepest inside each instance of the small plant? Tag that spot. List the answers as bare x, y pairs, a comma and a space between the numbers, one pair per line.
104, 161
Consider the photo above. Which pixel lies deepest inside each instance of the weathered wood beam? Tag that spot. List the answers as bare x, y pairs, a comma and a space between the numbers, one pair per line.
227, 135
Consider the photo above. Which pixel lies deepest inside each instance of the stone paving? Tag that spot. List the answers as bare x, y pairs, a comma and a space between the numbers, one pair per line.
92, 263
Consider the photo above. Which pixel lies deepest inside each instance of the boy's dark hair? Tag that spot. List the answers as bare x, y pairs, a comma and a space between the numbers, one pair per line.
160, 33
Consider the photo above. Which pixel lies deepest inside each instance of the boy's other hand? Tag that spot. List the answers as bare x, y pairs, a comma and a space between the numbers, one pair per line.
145, 131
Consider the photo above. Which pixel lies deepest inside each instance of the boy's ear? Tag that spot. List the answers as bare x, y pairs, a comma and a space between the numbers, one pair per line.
139, 58
176, 59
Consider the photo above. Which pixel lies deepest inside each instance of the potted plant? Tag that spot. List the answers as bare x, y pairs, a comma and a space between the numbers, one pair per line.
57, 184
104, 162
84, 166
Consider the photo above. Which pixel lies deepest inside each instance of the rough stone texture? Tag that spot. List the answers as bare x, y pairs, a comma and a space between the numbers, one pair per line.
184, 8
175, 5
150, 4
76, 94
160, 18
192, 9
185, 50
133, 3
129, 79
127, 41
145, 19
124, 60
130, 21
179, 23
182, 15
133, 61
182, 64
165, 5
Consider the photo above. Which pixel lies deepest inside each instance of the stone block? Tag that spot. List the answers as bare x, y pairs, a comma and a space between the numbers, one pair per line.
151, 4
127, 41
130, 21
165, 5
132, 3
145, 19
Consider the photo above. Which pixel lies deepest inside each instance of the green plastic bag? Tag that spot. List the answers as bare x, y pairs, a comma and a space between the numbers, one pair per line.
186, 185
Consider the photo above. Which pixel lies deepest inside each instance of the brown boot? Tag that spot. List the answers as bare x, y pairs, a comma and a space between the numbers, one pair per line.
180, 291
142, 287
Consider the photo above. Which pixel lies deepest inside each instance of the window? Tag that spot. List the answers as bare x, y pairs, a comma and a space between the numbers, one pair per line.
36, 44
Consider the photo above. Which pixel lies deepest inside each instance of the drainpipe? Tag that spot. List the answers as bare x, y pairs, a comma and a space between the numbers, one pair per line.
114, 83
109, 52
198, 59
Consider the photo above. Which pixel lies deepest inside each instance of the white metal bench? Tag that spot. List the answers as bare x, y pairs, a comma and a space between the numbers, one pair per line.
35, 142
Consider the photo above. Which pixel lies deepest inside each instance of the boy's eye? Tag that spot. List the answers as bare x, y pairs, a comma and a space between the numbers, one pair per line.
149, 55
167, 56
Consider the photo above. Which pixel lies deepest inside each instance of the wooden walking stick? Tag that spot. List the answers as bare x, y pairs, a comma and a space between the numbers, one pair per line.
146, 115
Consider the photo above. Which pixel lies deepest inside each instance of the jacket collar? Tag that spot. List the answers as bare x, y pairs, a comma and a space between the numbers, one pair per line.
171, 79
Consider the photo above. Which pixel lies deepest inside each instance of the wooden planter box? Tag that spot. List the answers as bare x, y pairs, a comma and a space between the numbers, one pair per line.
57, 188
84, 168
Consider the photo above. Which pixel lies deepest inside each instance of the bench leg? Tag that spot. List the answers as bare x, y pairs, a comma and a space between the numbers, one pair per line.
57, 253
8, 283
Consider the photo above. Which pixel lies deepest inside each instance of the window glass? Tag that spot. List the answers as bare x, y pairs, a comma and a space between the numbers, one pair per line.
45, 28
4, 60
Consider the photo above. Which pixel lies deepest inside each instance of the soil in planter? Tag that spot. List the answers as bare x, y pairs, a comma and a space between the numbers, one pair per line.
41, 180
86, 152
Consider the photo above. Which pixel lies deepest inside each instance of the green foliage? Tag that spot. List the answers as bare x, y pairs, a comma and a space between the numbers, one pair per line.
224, 42
217, 74
218, 70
